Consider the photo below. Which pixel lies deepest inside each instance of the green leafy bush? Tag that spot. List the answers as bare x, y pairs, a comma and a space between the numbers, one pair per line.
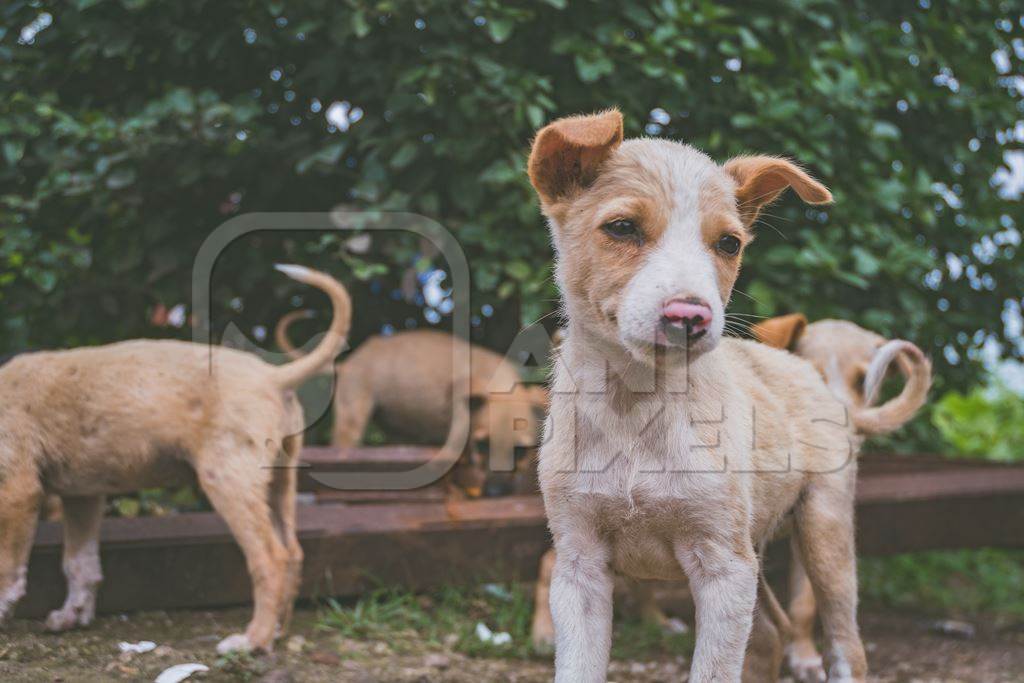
956, 583
131, 129
987, 422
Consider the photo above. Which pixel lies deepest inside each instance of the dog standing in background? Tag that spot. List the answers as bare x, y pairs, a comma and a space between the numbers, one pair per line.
406, 380
854, 363
89, 422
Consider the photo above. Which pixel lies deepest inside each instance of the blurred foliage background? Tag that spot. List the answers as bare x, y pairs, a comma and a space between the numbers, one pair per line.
131, 129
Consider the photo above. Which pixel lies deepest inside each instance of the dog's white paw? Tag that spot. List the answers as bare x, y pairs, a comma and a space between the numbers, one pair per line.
806, 667
238, 642
67, 618
10, 597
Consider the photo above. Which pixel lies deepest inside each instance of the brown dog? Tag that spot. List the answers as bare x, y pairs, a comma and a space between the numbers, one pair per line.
854, 362
669, 451
407, 381
89, 422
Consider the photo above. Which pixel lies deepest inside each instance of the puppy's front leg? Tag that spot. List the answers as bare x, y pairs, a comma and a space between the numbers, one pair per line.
723, 580
581, 607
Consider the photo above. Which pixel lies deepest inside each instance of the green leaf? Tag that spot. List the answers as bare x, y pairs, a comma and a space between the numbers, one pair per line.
500, 29
360, 26
120, 179
405, 155
535, 115
14, 150
592, 67
519, 270
884, 130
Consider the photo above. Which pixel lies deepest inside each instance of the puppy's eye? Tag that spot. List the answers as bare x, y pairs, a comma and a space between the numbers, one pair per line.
728, 244
622, 229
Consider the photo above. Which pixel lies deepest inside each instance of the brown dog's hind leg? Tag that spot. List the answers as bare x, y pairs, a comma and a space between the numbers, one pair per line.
824, 528
802, 656
238, 486
283, 488
21, 495
542, 632
650, 611
763, 660
82, 517
353, 406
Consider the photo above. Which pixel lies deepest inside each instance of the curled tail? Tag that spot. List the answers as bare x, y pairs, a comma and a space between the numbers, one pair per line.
298, 371
281, 331
895, 413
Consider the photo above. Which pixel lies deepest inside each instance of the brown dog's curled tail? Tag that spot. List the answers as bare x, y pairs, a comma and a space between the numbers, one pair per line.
895, 413
281, 331
298, 371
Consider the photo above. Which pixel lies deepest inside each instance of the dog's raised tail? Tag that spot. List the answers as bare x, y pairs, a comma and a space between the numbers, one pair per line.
281, 331
896, 412
301, 369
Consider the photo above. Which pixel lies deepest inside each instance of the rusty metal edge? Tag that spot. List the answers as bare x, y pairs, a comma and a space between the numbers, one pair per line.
350, 548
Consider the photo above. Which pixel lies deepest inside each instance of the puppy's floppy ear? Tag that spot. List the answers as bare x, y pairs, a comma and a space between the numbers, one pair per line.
782, 332
566, 154
761, 179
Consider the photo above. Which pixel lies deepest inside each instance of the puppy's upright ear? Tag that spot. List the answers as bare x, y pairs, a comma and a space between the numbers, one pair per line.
782, 332
761, 179
566, 154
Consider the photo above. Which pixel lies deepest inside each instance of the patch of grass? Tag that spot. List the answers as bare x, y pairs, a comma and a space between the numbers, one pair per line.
241, 666
410, 622
448, 617
636, 639
955, 583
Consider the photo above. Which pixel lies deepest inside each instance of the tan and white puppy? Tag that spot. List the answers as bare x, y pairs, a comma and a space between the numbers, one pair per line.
855, 362
670, 452
407, 381
89, 422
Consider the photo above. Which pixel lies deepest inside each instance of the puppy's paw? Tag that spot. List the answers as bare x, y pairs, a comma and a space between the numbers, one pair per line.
239, 642
10, 596
805, 663
67, 618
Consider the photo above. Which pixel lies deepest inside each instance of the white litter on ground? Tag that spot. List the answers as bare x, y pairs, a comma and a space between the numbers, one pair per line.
137, 648
180, 672
486, 635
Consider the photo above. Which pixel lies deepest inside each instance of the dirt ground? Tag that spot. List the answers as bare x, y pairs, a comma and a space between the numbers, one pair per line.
901, 649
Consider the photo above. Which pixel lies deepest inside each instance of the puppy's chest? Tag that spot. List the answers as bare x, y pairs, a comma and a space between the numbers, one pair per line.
645, 535
637, 459
649, 479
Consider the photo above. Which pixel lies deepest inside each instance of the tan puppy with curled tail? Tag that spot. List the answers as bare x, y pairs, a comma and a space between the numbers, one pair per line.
854, 362
90, 422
